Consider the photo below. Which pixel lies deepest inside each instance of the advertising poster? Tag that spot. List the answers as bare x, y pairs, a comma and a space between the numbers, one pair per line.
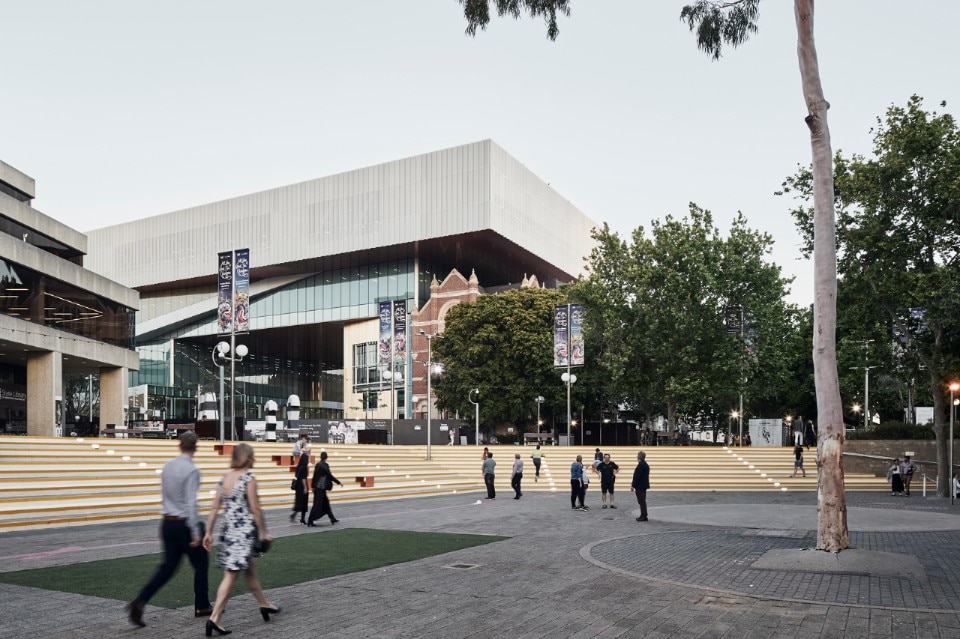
561, 336
385, 341
225, 292
241, 289
576, 335
400, 332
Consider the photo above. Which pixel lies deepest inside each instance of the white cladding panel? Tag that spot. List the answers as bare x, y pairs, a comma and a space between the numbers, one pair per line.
437, 194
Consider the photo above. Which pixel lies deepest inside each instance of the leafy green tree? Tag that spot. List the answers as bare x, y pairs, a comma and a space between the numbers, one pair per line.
730, 22
503, 345
899, 239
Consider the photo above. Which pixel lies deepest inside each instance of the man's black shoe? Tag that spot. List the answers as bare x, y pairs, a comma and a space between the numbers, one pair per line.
135, 613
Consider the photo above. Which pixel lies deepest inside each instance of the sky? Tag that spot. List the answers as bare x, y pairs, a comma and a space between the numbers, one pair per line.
122, 109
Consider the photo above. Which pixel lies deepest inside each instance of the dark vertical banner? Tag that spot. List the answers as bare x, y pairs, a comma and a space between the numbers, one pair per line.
241, 289
561, 335
400, 332
576, 335
385, 342
225, 292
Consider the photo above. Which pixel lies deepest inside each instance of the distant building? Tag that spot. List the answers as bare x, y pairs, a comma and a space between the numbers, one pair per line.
57, 318
324, 255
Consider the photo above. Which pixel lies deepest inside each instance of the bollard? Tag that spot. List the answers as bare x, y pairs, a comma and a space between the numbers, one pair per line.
924, 486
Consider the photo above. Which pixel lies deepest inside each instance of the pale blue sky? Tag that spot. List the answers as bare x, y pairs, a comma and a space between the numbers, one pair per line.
127, 108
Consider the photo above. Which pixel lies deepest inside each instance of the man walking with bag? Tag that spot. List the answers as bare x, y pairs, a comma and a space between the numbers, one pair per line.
641, 484
516, 475
488, 465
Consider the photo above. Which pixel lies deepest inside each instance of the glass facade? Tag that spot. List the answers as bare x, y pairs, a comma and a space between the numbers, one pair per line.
32, 296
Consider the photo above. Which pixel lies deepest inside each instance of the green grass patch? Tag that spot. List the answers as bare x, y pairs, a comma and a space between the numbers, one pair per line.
292, 560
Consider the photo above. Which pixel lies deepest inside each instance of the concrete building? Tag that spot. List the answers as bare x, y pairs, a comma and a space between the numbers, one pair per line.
324, 256
57, 319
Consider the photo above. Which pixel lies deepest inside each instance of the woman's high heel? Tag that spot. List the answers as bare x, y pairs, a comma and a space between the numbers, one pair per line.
266, 612
211, 626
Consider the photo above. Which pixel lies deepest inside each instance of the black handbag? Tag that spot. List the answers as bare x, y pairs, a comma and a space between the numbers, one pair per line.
293, 483
261, 546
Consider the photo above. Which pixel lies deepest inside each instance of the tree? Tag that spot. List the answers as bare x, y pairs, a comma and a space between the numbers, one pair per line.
899, 239
503, 345
657, 307
718, 22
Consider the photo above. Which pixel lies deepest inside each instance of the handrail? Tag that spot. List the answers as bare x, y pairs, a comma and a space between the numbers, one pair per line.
887, 458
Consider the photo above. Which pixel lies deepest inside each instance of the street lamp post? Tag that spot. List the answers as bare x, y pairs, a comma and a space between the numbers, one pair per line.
954, 387
539, 400
233, 353
394, 377
429, 337
736, 415
476, 405
569, 379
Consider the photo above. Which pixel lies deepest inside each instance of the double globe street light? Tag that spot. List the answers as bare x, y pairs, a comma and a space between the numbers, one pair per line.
221, 353
569, 379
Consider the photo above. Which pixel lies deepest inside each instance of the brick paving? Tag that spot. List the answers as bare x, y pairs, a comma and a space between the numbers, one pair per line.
664, 579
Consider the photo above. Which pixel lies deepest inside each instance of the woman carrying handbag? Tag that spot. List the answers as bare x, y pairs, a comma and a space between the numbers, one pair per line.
243, 529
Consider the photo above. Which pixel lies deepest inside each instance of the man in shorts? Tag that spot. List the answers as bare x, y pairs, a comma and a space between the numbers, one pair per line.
608, 475
798, 460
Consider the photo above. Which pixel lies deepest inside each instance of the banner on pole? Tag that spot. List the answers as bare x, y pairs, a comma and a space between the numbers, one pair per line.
400, 332
225, 292
732, 319
385, 343
561, 335
576, 335
241, 289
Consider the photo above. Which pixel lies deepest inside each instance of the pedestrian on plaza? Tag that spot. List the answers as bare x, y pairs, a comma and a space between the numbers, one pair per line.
608, 475
956, 484
181, 532
895, 479
301, 486
302, 443
641, 484
597, 455
810, 434
489, 464
486, 453
516, 475
798, 431
907, 469
576, 484
798, 460
537, 457
323, 481
243, 525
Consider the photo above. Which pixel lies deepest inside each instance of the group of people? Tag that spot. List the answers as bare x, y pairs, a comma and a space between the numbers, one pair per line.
184, 534
900, 475
319, 485
607, 470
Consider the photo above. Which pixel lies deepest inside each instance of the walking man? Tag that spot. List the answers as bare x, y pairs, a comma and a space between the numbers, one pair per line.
641, 484
798, 460
608, 475
537, 457
798, 431
577, 489
906, 473
181, 532
516, 475
488, 465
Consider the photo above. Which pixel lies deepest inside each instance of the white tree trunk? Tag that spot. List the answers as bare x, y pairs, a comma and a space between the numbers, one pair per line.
831, 501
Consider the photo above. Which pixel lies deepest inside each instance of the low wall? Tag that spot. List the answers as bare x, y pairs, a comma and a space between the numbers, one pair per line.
925, 454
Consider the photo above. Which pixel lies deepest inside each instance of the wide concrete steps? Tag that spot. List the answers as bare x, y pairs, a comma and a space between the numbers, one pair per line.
64, 481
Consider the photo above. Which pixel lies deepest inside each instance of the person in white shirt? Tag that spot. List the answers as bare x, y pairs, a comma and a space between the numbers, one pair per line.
516, 475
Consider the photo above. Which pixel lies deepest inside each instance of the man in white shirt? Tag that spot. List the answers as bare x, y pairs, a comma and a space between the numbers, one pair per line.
516, 475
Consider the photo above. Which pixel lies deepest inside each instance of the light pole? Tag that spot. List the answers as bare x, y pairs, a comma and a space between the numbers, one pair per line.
856, 410
476, 405
539, 400
429, 337
954, 387
222, 352
569, 379
393, 377
736, 415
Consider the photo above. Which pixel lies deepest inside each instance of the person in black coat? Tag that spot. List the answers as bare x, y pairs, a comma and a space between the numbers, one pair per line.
641, 484
301, 496
323, 480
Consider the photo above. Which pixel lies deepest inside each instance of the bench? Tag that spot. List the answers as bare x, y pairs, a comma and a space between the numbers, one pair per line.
365, 481
289, 460
113, 432
223, 449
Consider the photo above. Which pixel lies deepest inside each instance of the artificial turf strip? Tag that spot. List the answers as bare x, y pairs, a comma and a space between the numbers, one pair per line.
292, 560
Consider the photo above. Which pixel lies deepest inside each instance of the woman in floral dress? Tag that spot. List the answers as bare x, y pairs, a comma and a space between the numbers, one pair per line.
242, 524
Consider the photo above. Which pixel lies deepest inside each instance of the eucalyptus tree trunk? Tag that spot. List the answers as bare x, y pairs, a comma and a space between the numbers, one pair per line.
831, 501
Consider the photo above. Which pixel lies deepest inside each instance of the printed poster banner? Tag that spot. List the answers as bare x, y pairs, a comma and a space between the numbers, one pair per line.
241, 289
576, 335
561, 335
225, 292
400, 332
385, 343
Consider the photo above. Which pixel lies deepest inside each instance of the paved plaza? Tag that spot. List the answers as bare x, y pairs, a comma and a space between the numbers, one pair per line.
705, 565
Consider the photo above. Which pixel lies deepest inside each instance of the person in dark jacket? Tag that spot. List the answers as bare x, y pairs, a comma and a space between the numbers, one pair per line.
301, 496
641, 484
323, 480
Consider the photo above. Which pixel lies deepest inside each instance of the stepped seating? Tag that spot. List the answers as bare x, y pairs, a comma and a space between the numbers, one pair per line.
64, 481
